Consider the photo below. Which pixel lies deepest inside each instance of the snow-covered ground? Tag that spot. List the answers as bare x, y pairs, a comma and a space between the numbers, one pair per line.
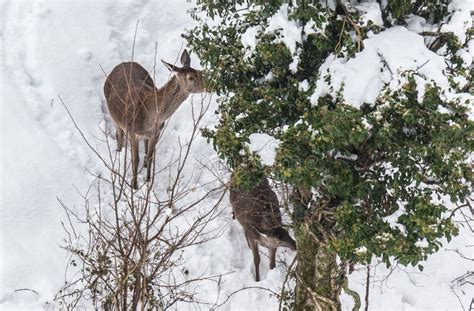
51, 48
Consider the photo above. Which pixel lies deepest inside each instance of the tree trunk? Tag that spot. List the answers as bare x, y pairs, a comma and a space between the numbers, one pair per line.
317, 285
318, 280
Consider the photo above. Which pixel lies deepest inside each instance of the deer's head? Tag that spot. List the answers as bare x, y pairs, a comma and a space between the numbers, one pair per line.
189, 79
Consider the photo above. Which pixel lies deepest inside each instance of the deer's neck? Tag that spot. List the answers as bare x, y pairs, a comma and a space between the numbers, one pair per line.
168, 98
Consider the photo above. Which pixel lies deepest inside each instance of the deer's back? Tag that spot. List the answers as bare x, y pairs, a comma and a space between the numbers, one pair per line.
127, 74
256, 209
126, 89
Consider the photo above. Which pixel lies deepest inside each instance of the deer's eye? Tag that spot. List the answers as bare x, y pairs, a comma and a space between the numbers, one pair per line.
190, 78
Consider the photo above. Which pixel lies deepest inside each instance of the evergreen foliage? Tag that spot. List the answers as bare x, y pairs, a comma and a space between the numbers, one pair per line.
368, 182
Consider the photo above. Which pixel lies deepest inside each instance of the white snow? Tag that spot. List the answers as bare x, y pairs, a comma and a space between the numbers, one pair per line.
303, 85
361, 250
422, 243
249, 39
56, 47
385, 56
34, 171
370, 11
290, 32
460, 20
265, 146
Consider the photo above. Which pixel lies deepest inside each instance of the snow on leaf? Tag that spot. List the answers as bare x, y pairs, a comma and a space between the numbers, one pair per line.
265, 146
385, 57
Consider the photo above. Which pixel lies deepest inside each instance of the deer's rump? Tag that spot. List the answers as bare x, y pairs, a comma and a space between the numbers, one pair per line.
259, 207
125, 91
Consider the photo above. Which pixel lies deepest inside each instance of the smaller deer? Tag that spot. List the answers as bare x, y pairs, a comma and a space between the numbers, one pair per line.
140, 110
259, 214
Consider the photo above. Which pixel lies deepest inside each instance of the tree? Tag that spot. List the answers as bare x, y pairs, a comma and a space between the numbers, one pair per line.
126, 246
368, 178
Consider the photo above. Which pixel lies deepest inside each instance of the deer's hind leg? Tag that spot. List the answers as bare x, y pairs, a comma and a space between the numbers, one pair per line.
120, 134
272, 255
150, 153
150, 157
256, 257
145, 163
135, 159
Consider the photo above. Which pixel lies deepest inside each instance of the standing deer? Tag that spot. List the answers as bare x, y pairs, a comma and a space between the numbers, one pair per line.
259, 214
140, 110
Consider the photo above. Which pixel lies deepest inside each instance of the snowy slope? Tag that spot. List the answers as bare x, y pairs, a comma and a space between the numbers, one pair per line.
58, 47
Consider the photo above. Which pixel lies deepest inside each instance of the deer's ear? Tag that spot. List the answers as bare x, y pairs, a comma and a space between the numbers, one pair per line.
170, 66
185, 59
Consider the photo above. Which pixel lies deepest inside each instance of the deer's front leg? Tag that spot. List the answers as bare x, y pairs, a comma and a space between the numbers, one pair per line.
135, 159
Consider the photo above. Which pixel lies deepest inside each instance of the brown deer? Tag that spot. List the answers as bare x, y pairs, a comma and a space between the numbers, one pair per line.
259, 214
140, 110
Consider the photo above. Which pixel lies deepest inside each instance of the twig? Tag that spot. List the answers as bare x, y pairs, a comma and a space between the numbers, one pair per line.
367, 285
244, 289
134, 40
426, 62
282, 292
26, 289
355, 295
460, 254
